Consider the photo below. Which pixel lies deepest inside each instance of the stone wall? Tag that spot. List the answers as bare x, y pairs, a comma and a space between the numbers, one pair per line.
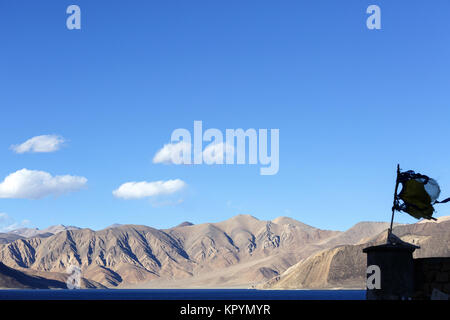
431, 278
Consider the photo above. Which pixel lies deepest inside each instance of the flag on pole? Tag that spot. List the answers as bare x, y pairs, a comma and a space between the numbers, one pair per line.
418, 195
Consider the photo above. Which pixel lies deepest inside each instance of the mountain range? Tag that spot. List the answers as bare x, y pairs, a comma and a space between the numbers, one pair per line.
240, 252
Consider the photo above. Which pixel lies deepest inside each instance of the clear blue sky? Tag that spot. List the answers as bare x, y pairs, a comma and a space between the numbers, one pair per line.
350, 104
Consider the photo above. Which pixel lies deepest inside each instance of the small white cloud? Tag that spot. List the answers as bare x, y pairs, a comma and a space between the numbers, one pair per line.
32, 184
180, 153
8, 224
44, 143
215, 153
176, 153
139, 190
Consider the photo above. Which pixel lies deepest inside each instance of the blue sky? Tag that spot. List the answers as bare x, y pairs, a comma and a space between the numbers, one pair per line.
350, 103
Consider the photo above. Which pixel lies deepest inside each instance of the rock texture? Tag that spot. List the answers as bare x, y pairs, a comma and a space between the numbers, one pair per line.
33, 232
431, 274
30, 279
8, 237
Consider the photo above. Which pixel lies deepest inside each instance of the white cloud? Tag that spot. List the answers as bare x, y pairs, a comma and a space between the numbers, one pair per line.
215, 153
31, 184
138, 190
180, 153
8, 224
44, 143
176, 153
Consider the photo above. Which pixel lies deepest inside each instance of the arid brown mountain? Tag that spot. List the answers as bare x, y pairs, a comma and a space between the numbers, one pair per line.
11, 278
239, 252
8, 237
360, 232
344, 266
35, 232
24, 233
30, 279
110, 256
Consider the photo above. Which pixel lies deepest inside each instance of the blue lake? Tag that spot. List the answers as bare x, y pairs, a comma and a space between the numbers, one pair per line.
182, 294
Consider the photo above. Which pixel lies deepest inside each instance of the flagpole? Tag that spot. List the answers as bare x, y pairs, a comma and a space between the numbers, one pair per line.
395, 198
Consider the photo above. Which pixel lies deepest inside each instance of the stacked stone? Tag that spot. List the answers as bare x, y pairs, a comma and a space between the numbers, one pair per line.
431, 276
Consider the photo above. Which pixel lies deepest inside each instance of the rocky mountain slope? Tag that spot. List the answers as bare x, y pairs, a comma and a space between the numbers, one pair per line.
344, 266
8, 237
30, 279
35, 232
238, 252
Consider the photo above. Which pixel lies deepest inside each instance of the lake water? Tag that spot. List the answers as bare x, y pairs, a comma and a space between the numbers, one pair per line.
182, 294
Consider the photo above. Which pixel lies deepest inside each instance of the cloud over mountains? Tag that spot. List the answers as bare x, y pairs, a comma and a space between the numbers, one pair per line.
144, 189
33, 184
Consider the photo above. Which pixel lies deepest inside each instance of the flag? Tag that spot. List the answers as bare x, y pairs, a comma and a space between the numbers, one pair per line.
418, 195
